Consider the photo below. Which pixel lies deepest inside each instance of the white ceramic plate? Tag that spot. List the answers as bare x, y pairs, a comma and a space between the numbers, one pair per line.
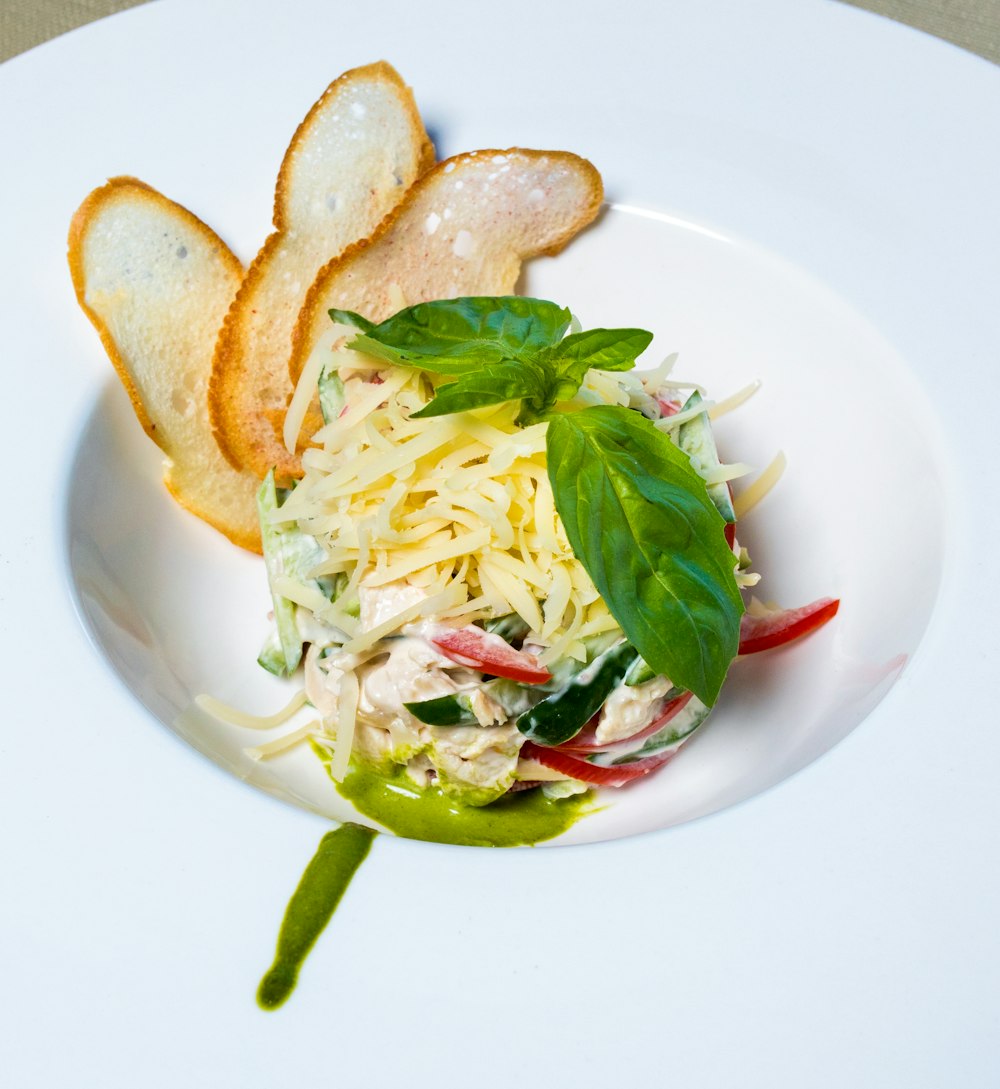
802, 193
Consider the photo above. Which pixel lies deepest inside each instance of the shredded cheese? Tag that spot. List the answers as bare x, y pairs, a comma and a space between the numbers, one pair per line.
347, 715
305, 388
311, 598
285, 742
393, 499
668, 423
734, 400
746, 500
458, 506
235, 717
719, 474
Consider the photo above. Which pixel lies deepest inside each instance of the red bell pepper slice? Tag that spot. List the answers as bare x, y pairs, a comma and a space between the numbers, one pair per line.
490, 654
586, 772
759, 633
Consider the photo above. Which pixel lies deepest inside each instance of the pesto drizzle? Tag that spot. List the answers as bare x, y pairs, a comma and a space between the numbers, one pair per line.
314, 901
428, 813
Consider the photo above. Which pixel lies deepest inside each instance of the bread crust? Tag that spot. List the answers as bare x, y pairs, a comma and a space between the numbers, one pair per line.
82, 219
317, 299
235, 516
248, 389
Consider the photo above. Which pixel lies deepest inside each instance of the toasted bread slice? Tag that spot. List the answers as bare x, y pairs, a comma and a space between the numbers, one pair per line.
156, 282
350, 162
463, 229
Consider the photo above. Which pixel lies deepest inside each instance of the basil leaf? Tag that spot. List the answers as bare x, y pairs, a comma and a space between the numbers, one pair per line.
509, 381
348, 317
641, 522
603, 349
478, 330
500, 348
467, 364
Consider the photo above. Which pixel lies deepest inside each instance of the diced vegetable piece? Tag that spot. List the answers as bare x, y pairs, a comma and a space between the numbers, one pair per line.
564, 714
331, 395
272, 655
638, 673
456, 709
489, 654
452, 710
759, 633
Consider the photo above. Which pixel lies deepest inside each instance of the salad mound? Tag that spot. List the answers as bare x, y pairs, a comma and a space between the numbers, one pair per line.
511, 561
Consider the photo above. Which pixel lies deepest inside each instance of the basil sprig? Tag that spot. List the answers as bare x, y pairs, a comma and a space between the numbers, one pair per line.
637, 515
506, 348
641, 522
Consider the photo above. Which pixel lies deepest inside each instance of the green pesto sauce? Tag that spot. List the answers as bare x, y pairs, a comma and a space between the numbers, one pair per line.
515, 820
324, 882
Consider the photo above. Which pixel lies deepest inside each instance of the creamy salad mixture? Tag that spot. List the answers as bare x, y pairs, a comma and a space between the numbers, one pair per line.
436, 571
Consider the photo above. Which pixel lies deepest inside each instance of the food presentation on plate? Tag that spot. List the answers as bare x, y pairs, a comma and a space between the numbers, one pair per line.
772, 230
502, 550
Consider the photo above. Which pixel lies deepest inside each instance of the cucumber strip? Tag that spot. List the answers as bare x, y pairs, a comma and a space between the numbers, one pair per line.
331, 395
272, 655
456, 709
287, 551
287, 633
638, 673
563, 714
452, 710
679, 729
695, 438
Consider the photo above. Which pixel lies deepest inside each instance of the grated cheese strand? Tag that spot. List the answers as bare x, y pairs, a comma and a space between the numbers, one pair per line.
347, 717
721, 473
305, 388
746, 500
235, 717
285, 742
431, 606
734, 400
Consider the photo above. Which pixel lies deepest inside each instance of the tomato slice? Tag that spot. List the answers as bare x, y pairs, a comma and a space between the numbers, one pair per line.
490, 654
586, 740
590, 773
759, 633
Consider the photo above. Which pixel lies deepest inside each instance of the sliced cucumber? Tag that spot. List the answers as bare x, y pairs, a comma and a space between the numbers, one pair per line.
564, 713
456, 709
695, 438
331, 395
272, 655
451, 710
287, 551
639, 673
